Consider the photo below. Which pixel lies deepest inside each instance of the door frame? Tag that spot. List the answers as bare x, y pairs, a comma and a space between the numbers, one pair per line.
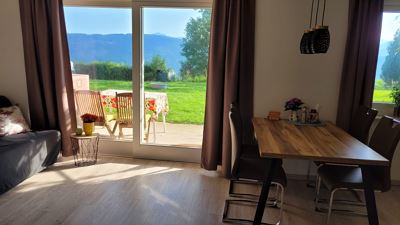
134, 148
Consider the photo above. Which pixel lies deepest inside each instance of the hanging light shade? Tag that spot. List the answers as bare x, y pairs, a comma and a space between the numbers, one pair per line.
305, 47
321, 37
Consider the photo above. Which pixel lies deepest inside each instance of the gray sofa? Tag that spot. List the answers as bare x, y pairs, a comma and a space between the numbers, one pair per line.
23, 155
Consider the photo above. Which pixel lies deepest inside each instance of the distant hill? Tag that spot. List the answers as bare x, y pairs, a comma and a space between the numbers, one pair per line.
87, 48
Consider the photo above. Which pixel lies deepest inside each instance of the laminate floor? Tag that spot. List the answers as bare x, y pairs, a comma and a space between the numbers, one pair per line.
132, 191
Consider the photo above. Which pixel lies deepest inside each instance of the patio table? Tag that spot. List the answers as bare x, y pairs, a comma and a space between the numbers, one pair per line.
161, 102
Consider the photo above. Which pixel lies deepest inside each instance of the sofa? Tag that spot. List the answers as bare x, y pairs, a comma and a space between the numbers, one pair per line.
25, 154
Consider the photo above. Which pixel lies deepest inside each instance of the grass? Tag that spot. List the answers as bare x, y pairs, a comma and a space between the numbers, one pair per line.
186, 99
382, 96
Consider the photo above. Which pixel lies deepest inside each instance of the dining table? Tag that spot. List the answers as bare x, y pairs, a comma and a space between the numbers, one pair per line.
325, 142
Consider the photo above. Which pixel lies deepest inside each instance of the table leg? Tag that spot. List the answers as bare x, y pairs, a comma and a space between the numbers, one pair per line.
264, 192
369, 196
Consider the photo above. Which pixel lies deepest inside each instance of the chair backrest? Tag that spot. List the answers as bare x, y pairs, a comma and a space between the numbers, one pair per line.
384, 141
361, 123
124, 108
235, 122
90, 102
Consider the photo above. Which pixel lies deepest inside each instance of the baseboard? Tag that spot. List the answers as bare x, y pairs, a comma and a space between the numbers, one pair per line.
396, 182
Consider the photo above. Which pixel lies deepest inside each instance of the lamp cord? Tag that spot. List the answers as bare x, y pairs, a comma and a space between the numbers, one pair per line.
312, 11
316, 15
323, 13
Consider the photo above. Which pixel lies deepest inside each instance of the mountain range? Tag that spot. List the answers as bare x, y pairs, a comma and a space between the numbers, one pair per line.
86, 48
117, 48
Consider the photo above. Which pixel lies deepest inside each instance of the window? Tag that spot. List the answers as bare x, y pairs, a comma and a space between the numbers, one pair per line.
388, 66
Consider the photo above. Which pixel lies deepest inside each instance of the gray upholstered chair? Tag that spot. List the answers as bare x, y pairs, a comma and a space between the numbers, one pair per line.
335, 178
359, 128
249, 166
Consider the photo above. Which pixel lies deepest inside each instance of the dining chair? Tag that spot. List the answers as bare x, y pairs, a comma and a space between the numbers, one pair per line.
360, 126
249, 166
336, 178
90, 102
124, 119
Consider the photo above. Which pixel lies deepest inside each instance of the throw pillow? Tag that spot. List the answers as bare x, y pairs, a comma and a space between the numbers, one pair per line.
12, 121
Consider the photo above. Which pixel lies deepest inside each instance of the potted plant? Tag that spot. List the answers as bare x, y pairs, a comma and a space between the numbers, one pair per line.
395, 95
88, 123
293, 105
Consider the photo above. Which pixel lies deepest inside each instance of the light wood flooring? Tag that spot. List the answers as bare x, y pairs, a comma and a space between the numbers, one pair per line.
130, 191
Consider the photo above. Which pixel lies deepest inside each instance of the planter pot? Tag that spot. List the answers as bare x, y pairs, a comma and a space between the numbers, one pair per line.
293, 116
88, 128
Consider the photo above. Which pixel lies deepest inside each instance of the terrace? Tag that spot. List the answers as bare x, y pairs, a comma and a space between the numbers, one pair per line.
182, 102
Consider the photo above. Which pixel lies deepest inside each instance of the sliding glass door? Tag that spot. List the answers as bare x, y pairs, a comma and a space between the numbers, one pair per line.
175, 59
146, 63
100, 46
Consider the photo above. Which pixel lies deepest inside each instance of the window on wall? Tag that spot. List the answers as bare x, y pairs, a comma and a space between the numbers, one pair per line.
388, 66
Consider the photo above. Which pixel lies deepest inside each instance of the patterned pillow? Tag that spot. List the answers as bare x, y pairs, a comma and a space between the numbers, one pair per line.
12, 121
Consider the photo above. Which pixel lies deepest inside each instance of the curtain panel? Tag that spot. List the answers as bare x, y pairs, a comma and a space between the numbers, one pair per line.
359, 67
48, 71
230, 78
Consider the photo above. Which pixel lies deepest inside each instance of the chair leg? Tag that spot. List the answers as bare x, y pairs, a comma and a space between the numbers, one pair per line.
115, 127
330, 206
317, 191
242, 195
227, 219
121, 134
109, 129
154, 130
309, 182
148, 130
164, 122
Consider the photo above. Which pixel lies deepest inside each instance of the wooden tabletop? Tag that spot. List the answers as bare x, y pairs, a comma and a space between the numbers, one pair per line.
329, 143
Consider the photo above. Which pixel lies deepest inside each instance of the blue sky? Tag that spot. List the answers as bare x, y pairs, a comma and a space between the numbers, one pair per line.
90, 20
390, 24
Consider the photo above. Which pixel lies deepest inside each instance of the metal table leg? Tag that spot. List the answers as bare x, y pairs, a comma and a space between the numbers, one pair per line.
264, 192
369, 196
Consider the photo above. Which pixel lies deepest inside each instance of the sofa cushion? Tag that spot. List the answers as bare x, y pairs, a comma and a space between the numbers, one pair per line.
12, 121
23, 155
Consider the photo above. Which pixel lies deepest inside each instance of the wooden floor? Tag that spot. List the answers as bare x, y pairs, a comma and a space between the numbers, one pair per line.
127, 191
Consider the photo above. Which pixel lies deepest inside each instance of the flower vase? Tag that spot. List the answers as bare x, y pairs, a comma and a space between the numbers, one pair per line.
88, 128
293, 116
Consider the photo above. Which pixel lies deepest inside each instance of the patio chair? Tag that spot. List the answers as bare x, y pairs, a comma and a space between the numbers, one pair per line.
90, 102
124, 112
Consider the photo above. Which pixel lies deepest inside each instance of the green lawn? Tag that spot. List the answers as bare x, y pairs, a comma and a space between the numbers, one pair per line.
382, 96
186, 99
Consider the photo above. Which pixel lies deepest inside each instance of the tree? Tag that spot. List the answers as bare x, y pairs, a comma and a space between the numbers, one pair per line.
195, 45
155, 68
391, 66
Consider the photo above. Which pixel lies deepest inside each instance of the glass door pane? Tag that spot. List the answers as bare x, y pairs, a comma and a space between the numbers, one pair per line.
100, 47
175, 59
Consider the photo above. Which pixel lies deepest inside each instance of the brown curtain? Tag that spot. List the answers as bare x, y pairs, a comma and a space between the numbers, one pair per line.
48, 70
358, 77
230, 78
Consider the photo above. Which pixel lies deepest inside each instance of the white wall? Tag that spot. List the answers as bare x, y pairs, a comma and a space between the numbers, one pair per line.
281, 72
12, 65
